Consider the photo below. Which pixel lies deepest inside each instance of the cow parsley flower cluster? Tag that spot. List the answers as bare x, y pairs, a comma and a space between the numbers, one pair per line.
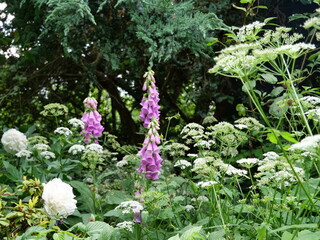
183, 164
41, 147
76, 123
48, 155
24, 153
309, 144
63, 131
76, 149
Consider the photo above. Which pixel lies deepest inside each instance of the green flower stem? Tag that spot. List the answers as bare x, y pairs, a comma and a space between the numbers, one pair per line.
258, 106
295, 95
219, 207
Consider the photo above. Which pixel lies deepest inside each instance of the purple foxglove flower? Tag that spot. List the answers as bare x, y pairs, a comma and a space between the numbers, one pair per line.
150, 114
91, 118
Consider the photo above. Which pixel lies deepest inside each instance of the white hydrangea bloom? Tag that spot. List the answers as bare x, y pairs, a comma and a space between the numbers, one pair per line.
188, 208
76, 149
183, 164
130, 206
63, 131
58, 198
126, 225
93, 147
14, 141
24, 153
311, 100
307, 144
314, 114
41, 147
76, 123
206, 184
48, 155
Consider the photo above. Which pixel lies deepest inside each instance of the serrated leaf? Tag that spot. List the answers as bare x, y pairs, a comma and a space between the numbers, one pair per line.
192, 233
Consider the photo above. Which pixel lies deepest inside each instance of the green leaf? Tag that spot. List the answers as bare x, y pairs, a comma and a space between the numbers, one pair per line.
240, 8
176, 237
287, 236
276, 91
288, 136
272, 138
117, 197
269, 78
192, 233
86, 194
262, 232
217, 235
306, 235
13, 172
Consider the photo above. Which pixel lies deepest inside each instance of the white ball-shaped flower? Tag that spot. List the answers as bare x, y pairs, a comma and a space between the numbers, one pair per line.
58, 198
14, 141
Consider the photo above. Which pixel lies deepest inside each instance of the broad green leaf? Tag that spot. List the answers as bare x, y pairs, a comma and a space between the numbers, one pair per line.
272, 138
276, 91
117, 197
287, 236
176, 237
308, 235
288, 136
13, 172
217, 235
86, 194
269, 78
192, 233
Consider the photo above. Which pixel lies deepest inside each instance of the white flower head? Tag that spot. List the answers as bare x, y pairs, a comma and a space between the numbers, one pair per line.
58, 198
183, 164
63, 131
130, 206
24, 153
188, 208
48, 155
248, 162
94, 147
76, 149
307, 144
206, 184
41, 147
125, 225
76, 123
14, 141
203, 199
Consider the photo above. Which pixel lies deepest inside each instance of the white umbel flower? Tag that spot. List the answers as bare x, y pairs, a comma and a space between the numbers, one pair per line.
58, 198
93, 147
125, 225
24, 153
76, 123
76, 149
14, 141
41, 147
183, 164
63, 131
48, 155
130, 206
